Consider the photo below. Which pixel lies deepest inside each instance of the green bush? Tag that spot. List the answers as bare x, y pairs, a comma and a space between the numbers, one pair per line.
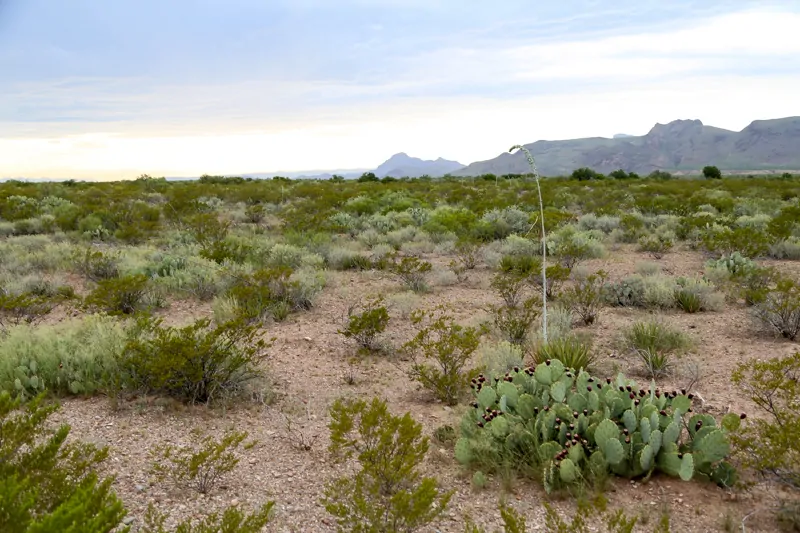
96, 265
47, 484
74, 357
232, 520
449, 346
770, 444
194, 363
585, 297
412, 272
388, 493
202, 466
511, 287
780, 309
365, 322
515, 322
566, 428
628, 292
693, 295
118, 296
655, 245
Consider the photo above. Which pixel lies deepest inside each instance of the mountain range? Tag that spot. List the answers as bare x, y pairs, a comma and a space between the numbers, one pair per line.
683, 146
402, 165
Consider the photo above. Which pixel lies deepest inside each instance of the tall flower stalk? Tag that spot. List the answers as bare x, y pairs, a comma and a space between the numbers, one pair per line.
532, 163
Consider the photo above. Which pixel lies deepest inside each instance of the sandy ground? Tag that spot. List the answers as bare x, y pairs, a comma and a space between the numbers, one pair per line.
309, 364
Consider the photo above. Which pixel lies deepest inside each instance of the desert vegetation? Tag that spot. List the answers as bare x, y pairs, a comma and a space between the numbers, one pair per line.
457, 354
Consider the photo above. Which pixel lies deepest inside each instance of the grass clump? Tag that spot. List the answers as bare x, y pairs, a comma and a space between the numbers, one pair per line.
231, 520
74, 357
388, 492
655, 344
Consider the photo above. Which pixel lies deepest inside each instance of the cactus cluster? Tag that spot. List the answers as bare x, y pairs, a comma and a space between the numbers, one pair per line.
568, 423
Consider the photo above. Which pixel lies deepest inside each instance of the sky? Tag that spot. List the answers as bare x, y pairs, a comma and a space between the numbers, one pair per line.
112, 89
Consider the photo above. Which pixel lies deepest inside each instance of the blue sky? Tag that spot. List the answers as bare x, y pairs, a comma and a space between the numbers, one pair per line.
115, 88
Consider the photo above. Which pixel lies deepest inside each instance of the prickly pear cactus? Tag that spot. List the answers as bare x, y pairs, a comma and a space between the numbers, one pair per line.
568, 422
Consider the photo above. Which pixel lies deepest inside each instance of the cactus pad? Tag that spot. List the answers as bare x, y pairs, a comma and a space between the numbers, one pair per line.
509, 390
712, 447
568, 471
487, 397
731, 422
558, 391
463, 451
687, 467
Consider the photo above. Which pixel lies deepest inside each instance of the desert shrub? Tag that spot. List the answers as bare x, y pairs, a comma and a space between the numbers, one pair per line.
770, 444
604, 223
303, 287
422, 244
647, 268
96, 265
655, 344
74, 357
448, 346
499, 358
388, 493
780, 309
515, 322
467, 253
659, 292
344, 259
655, 245
748, 241
397, 238
194, 363
555, 276
567, 428
511, 287
199, 467
441, 277
198, 279
585, 297
571, 350
500, 223
403, 303
628, 292
572, 246
412, 272
371, 238
517, 245
232, 520
118, 296
365, 322
286, 256
786, 249
693, 295
47, 483
26, 307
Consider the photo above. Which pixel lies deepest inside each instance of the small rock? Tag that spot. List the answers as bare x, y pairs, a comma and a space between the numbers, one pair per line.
234, 502
307, 339
140, 488
128, 520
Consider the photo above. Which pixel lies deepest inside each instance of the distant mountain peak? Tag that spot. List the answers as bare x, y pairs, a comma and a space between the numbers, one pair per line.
402, 165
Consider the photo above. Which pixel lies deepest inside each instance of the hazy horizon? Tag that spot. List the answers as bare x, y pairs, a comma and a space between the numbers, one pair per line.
94, 90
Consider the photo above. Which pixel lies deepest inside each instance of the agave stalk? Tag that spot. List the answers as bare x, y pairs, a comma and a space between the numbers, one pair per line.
532, 163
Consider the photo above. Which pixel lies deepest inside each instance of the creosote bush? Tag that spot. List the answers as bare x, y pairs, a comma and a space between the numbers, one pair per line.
440, 352
118, 296
194, 363
412, 272
780, 309
585, 297
202, 466
388, 493
231, 520
365, 322
47, 484
514, 323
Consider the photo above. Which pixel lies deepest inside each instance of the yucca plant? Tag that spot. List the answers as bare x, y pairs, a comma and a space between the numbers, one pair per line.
570, 350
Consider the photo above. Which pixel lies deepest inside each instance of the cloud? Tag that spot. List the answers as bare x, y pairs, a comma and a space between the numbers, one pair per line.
247, 86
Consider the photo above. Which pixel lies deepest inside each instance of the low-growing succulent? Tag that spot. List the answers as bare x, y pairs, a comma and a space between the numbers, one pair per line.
570, 425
